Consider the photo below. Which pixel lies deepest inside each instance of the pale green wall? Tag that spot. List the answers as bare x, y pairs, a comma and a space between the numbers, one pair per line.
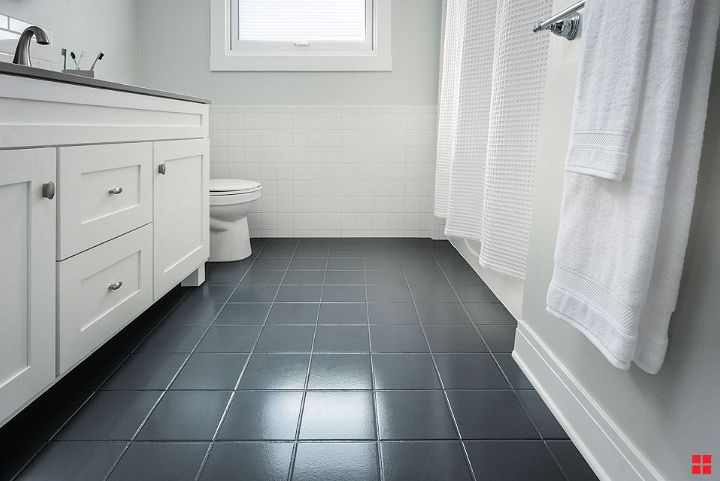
176, 52
110, 26
675, 413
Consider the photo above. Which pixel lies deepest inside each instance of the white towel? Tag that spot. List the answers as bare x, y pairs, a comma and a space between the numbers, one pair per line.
615, 33
617, 259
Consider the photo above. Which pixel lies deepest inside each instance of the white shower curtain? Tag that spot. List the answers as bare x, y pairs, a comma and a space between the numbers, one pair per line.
491, 93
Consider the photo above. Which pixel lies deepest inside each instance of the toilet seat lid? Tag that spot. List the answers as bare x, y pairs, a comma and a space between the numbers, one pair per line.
232, 186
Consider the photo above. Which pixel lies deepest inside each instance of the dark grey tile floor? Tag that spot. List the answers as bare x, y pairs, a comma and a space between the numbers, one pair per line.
316, 359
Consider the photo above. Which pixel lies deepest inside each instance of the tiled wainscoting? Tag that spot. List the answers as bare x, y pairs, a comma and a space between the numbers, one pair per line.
331, 171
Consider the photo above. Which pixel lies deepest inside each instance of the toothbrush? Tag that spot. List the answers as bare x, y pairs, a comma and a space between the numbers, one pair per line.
99, 57
74, 58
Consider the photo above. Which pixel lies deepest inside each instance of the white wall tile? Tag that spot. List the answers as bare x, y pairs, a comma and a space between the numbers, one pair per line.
331, 171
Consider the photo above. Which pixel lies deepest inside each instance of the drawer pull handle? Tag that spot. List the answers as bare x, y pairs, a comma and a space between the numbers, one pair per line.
115, 190
48, 190
115, 286
162, 169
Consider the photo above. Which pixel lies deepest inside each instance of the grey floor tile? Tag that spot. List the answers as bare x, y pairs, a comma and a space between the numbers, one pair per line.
385, 278
404, 371
342, 278
388, 294
286, 339
442, 313
392, 313
433, 294
262, 415
280, 250
256, 461
414, 415
263, 278
294, 313
398, 339
209, 293
470, 371
73, 461
200, 313
210, 371
160, 461
464, 278
513, 372
382, 262
343, 294
428, 460
172, 338
344, 250
92, 423
343, 313
315, 263
489, 313
490, 415
540, 414
338, 415
146, 372
336, 461
228, 273
498, 338
246, 314
185, 416
271, 263
304, 278
299, 294
426, 277
345, 264
342, 339
43, 417
16, 456
312, 251
454, 339
571, 461
340, 371
254, 294
475, 293
275, 371
229, 339
512, 461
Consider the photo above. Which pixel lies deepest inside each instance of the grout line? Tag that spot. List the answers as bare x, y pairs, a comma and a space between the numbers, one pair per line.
293, 455
437, 371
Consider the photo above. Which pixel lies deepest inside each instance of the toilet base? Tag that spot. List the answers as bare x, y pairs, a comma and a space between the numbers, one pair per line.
232, 244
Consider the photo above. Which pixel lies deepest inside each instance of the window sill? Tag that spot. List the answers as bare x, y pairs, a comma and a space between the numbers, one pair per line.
318, 63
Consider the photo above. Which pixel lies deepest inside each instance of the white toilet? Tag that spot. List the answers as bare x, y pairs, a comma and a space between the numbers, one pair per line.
231, 200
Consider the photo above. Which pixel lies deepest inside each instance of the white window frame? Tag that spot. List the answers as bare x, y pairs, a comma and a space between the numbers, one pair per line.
324, 56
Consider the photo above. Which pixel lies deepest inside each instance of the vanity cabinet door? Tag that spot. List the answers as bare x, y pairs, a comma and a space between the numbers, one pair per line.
181, 222
27, 284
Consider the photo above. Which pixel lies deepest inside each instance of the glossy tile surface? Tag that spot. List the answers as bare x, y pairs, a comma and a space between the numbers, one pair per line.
314, 359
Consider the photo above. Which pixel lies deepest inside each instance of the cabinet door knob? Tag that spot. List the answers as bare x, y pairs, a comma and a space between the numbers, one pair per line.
115, 286
162, 168
115, 190
48, 190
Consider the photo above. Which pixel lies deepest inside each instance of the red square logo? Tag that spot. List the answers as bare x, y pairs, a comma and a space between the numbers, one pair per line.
701, 464
707, 459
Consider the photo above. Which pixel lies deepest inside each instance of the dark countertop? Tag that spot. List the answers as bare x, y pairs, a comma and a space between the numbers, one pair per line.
53, 76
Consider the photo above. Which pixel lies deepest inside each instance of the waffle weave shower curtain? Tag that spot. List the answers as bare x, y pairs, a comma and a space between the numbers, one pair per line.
491, 94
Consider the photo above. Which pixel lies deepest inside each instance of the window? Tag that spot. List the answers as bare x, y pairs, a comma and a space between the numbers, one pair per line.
297, 35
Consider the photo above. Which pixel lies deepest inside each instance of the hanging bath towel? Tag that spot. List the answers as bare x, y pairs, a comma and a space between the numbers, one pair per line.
628, 201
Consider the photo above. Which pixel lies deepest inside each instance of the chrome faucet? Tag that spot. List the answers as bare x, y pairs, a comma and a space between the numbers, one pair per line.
22, 52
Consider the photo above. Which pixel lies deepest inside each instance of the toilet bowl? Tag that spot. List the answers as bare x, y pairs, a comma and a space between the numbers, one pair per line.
231, 200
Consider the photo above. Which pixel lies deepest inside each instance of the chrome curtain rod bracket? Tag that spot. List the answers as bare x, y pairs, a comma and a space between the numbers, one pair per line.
565, 23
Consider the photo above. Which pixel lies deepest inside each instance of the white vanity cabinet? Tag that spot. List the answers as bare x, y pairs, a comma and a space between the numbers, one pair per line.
181, 210
104, 207
27, 284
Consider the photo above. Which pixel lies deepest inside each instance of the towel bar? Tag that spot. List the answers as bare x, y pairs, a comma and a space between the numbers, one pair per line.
565, 23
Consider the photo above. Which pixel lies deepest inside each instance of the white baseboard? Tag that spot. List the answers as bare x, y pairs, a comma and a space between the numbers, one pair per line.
607, 450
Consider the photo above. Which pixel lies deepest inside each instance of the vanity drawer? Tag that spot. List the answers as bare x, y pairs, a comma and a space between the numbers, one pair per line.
103, 191
100, 291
